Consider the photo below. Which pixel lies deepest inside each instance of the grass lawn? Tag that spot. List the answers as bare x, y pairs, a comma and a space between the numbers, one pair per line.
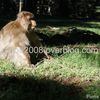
66, 76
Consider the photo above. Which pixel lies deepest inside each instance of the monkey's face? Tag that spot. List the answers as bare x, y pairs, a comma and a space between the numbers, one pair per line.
25, 19
33, 24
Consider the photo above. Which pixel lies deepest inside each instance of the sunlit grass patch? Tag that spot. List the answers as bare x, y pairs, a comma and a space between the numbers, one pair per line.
55, 79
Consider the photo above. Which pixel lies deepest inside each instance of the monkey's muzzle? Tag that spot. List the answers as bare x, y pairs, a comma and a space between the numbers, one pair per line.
33, 23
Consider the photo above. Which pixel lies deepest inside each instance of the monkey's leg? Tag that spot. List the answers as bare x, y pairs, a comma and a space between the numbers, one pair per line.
20, 57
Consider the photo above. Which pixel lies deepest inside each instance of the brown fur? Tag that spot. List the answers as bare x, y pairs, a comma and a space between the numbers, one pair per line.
13, 39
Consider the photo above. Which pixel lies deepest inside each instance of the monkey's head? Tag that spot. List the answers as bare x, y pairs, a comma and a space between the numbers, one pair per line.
25, 19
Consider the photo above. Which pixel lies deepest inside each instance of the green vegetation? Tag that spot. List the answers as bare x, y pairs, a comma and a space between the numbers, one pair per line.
62, 25
66, 76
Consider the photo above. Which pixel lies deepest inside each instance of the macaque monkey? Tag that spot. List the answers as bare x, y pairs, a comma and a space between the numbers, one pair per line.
14, 40
39, 51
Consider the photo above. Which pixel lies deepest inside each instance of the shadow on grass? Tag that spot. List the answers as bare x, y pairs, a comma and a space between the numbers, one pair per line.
73, 36
14, 88
68, 23
57, 23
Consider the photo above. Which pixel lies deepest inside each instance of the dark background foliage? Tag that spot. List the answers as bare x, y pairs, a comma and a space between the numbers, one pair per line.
54, 8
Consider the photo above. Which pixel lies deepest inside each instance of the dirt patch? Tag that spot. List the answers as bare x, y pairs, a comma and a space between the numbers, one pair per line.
76, 81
